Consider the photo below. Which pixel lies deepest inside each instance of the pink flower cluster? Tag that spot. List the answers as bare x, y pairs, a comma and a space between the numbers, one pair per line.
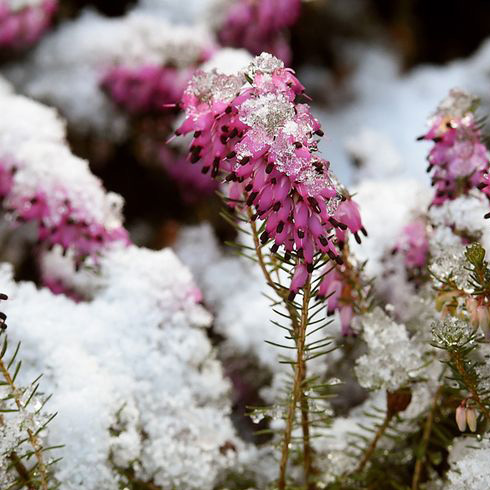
60, 220
21, 26
414, 244
259, 25
459, 161
191, 182
250, 130
146, 88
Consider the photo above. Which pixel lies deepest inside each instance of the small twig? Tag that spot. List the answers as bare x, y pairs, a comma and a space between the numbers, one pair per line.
379, 433
425, 440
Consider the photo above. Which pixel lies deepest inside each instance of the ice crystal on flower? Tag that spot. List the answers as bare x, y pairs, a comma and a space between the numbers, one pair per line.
451, 333
264, 63
450, 263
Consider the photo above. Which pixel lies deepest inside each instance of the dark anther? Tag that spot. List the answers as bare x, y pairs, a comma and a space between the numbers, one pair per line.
301, 233
215, 171
291, 296
234, 133
264, 237
337, 224
228, 109
357, 237
319, 132
231, 154
297, 144
225, 129
287, 257
429, 168
195, 158
269, 168
338, 260
251, 198
420, 138
244, 160
314, 203
437, 139
205, 170
3, 297
280, 227
177, 132
309, 268
301, 254
364, 232
231, 177
273, 181
277, 206
249, 187
323, 240
223, 138
274, 248
481, 185
196, 149
197, 134
487, 216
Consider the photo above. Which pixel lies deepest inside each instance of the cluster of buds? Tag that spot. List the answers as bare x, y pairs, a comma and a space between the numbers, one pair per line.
466, 415
259, 25
22, 23
413, 244
459, 161
250, 130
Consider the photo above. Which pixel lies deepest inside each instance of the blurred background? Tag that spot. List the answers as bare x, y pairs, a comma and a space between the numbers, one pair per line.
375, 69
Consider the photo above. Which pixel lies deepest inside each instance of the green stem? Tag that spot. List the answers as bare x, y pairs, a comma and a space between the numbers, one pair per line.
299, 326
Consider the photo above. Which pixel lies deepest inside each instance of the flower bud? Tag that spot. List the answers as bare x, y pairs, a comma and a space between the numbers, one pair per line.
461, 418
471, 306
471, 419
484, 320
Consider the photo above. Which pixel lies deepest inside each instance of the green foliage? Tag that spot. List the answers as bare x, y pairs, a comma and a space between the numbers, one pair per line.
28, 462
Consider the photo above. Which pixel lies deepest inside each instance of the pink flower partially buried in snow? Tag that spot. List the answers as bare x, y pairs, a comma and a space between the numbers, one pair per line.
22, 24
259, 25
